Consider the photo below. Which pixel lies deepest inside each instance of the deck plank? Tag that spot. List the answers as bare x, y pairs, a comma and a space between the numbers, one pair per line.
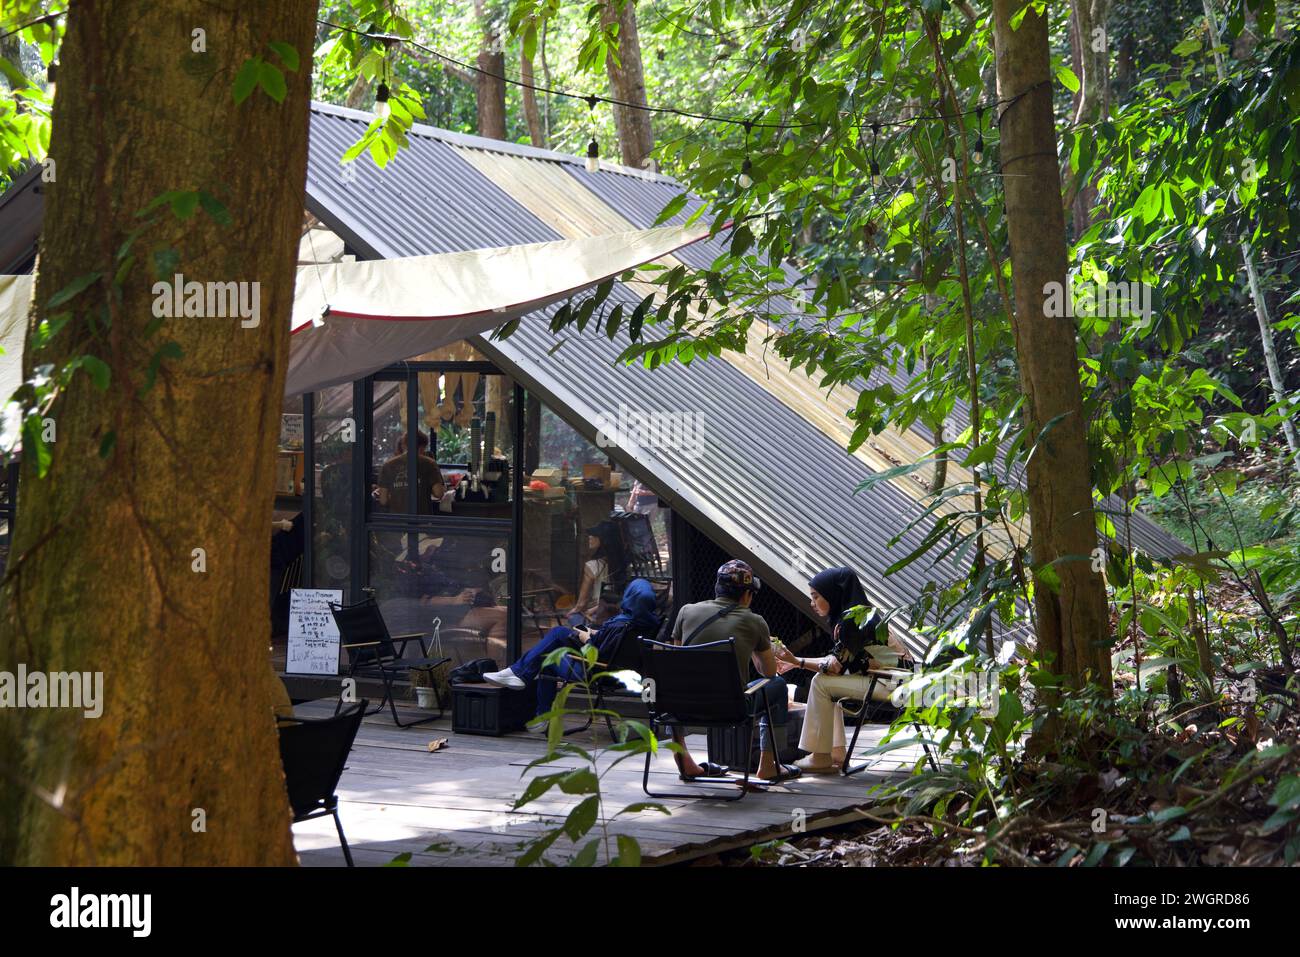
454, 807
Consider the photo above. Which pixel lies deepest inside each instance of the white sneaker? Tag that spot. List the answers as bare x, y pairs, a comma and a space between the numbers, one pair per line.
506, 679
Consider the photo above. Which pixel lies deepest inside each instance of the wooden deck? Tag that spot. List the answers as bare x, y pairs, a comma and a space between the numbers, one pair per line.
452, 807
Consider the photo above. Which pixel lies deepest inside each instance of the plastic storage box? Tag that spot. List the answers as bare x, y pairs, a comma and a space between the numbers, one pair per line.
489, 709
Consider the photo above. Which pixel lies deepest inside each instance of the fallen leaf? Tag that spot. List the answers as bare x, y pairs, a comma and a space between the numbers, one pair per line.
437, 744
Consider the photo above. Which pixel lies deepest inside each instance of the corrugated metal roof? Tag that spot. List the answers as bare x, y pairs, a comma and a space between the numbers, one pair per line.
767, 483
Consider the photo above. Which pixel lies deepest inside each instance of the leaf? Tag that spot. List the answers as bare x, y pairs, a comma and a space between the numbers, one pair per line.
287, 54
587, 856
1286, 796
107, 444
629, 852
271, 79
214, 208
1068, 79
247, 77
98, 371
582, 818
72, 289
673, 207
401, 860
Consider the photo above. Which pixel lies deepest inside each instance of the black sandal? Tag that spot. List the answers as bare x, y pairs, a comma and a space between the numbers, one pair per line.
708, 770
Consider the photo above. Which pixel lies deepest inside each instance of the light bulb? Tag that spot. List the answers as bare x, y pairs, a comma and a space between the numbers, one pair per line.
381, 102
593, 157
744, 180
979, 150
876, 178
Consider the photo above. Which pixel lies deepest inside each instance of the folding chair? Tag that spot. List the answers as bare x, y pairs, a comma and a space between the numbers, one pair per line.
699, 686
314, 752
626, 657
868, 709
373, 654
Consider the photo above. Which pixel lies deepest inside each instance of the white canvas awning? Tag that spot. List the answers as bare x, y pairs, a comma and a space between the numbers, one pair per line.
383, 311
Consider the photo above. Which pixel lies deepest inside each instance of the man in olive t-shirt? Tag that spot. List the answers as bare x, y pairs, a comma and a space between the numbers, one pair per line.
393, 481
729, 616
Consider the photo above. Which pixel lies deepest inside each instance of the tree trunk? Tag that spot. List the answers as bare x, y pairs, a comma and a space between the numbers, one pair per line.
490, 85
183, 766
636, 140
532, 115
1256, 290
1072, 618
1089, 44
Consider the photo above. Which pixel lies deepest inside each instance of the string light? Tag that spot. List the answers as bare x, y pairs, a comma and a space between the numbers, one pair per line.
593, 148
382, 109
745, 179
389, 40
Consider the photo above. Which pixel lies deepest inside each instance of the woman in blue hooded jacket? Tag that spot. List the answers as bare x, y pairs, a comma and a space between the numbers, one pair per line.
637, 616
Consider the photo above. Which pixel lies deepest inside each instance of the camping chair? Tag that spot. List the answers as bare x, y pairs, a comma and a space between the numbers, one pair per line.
314, 752
698, 686
373, 654
868, 709
640, 549
627, 657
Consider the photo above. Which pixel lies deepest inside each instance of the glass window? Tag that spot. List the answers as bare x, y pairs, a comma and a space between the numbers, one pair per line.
588, 528
451, 585
472, 418
333, 438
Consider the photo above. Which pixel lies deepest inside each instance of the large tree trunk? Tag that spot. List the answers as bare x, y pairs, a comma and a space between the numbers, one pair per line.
183, 766
636, 139
1073, 623
490, 85
532, 115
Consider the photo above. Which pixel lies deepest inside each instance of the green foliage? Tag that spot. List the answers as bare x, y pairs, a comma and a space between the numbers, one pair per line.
633, 739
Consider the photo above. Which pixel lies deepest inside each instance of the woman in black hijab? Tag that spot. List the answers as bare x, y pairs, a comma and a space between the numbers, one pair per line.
843, 673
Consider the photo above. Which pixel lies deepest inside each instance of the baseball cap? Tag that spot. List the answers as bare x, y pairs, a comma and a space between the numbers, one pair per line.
736, 576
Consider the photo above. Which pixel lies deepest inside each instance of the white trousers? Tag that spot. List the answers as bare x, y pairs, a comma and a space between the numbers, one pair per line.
823, 721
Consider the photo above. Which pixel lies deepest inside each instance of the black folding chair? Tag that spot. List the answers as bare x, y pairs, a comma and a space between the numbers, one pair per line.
699, 686
626, 657
314, 751
868, 709
374, 653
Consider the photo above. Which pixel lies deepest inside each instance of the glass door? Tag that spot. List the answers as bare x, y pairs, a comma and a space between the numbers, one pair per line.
439, 505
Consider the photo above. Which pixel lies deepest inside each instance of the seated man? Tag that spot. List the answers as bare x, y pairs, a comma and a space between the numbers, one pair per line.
729, 616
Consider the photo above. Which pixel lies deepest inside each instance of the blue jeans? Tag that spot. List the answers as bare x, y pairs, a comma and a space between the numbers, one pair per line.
774, 694
529, 667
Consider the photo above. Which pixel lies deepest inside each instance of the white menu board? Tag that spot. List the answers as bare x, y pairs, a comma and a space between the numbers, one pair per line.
313, 635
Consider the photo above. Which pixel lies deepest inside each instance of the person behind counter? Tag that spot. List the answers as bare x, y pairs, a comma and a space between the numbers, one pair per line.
637, 614
391, 493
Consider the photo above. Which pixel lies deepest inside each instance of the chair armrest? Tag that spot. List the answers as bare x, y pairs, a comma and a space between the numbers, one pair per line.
359, 644
409, 637
757, 686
